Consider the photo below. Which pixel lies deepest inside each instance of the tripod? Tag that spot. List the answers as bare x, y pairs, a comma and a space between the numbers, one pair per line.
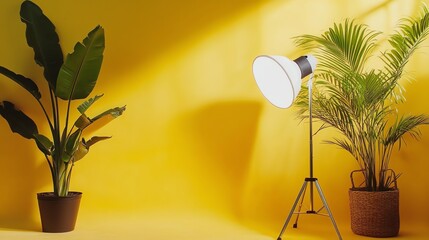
312, 181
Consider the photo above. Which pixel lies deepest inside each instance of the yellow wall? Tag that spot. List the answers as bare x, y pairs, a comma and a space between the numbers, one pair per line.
197, 135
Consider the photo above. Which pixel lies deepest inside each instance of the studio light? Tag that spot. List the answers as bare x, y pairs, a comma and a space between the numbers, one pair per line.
279, 80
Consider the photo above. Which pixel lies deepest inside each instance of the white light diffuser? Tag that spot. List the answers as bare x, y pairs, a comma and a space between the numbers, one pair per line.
279, 78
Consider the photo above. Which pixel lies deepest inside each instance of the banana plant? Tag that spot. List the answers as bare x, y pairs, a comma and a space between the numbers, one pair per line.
72, 78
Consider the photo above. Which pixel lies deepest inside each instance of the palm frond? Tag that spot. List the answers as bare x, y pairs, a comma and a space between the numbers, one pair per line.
412, 32
405, 125
344, 48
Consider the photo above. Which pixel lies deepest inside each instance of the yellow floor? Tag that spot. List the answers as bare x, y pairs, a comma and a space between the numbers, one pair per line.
144, 226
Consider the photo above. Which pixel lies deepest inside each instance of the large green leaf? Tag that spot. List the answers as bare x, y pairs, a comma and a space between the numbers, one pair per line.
26, 83
44, 144
79, 73
113, 113
83, 121
83, 147
95, 140
71, 145
80, 152
100, 120
84, 106
18, 121
41, 36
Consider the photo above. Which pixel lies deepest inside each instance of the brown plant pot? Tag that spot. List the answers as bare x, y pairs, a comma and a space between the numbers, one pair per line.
58, 214
374, 214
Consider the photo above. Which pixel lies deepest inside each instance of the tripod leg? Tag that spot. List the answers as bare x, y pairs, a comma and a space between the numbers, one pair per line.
295, 225
304, 185
325, 203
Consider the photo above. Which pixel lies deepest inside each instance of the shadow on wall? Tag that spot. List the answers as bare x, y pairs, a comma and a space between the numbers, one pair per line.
22, 175
222, 137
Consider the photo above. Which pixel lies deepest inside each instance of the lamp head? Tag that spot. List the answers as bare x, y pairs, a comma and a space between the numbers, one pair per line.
279, 78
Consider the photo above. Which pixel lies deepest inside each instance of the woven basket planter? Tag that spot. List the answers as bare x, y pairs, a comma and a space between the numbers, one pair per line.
374, 214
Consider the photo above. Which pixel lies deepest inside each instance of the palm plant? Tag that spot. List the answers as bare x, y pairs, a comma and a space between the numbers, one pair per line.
360, 101
70, 79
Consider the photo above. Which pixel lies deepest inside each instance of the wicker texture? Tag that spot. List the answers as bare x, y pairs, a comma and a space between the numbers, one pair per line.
374, 214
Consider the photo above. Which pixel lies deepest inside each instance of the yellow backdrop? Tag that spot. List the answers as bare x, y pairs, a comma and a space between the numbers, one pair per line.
197, 136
